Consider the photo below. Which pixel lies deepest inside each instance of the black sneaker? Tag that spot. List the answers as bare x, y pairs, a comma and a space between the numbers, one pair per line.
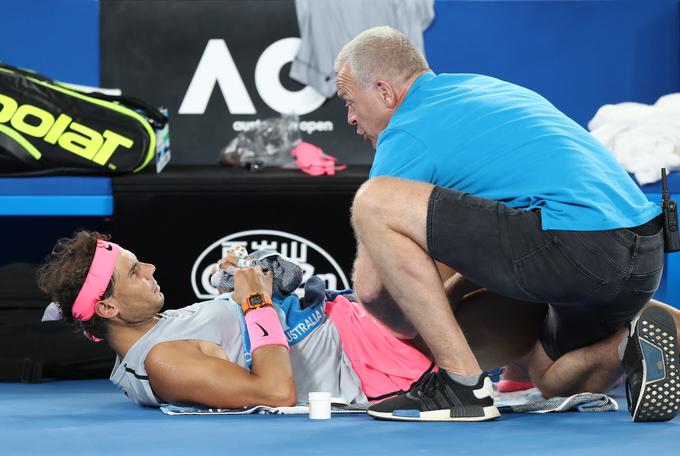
437, 397
651, 363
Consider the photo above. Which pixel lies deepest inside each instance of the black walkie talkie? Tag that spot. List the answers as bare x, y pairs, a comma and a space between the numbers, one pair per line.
670, 217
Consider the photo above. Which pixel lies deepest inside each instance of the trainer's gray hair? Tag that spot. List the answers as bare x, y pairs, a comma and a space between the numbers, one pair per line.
380, 53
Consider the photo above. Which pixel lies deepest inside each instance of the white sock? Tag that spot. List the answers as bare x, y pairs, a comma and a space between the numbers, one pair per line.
467, 380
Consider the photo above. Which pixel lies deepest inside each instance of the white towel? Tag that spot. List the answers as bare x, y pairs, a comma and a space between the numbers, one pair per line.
52, 312
517, 402
259, 410
643, 138
532, 401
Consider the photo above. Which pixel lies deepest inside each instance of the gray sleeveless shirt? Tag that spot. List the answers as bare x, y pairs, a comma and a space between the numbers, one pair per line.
318, 361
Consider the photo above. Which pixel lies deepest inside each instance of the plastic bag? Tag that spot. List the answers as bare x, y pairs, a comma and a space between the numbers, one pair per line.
268, 143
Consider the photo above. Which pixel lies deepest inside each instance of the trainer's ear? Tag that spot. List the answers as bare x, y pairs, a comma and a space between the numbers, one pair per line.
386, 93
105, 309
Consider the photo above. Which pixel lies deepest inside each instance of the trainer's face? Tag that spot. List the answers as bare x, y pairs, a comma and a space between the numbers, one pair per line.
368, 110
136, 293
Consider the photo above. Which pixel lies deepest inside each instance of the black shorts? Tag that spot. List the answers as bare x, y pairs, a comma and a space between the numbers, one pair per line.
594, 281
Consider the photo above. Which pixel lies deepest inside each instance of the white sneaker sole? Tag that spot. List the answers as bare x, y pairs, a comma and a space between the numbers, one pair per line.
490, 413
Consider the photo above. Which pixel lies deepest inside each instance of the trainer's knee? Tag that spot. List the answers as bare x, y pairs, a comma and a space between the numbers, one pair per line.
371, 201
539, 363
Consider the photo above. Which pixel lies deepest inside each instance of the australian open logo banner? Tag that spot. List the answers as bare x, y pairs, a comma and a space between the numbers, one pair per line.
219, 79
313, 259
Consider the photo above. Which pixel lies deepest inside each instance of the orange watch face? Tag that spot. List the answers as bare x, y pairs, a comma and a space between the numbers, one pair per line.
256, 300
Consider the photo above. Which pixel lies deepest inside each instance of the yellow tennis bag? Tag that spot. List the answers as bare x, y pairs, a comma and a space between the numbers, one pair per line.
50, 127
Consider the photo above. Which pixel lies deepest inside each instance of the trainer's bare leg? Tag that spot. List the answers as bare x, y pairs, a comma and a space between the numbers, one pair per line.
595, 368
499, 329
380, 304
392, 231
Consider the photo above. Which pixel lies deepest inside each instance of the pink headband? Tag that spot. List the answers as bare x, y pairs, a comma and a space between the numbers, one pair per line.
98, 278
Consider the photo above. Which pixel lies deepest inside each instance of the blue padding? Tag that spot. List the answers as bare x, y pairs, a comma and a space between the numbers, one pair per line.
101, 205
92, 417
57, 185
59, 195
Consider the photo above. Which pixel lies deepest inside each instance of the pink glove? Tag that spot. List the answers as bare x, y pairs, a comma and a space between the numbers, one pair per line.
312, 160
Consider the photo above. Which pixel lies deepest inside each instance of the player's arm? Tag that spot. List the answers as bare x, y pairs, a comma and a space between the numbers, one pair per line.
182, 373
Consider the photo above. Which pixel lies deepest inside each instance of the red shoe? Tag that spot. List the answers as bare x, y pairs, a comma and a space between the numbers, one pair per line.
510, 386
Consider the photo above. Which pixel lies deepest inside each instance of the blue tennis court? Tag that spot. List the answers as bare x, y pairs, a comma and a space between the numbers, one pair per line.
92, 417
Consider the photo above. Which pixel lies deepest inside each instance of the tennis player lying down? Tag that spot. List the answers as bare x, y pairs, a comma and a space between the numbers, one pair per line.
239, 349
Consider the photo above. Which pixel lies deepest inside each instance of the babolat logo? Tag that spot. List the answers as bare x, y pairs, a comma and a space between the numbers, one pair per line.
313, 260
71, 136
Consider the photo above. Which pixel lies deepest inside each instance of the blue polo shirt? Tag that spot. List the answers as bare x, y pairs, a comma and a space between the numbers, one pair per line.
499, 141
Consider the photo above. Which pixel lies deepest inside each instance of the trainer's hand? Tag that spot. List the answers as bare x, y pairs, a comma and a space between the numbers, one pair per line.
251, 280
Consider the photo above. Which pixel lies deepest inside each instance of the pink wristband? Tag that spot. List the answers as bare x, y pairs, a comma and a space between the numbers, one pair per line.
264, 328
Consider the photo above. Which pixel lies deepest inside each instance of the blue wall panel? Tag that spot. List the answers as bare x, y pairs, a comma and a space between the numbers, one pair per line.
59, 38
578, 54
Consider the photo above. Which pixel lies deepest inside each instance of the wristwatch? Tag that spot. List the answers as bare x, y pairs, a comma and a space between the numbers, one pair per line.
255, 301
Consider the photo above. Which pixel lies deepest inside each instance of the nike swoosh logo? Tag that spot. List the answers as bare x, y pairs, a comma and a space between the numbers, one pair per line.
264, 331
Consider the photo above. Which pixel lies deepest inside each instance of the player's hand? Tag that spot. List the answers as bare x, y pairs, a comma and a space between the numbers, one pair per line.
251, 280
236, 257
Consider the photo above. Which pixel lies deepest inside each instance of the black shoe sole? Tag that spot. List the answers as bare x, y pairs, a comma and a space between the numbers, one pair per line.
659, 397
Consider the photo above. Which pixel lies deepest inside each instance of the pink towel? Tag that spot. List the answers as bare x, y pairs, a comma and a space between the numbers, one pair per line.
312, 160
383, 362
